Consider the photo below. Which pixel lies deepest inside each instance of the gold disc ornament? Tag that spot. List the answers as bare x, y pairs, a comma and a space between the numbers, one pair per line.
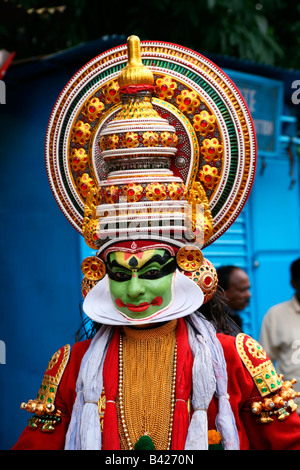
87, 285
189, 258
206, 278
93, 268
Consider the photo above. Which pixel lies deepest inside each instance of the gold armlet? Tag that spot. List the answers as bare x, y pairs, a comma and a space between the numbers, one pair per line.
46, 416
277, 405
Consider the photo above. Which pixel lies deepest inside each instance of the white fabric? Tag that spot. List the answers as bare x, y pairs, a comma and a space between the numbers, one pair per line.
204, 385
186, 299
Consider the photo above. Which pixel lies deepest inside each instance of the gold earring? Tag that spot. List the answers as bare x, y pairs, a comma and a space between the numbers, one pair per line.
206, 278
93, 268
86, 286
189, 258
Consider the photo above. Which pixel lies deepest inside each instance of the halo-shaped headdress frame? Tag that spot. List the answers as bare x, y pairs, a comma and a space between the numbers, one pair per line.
216, 138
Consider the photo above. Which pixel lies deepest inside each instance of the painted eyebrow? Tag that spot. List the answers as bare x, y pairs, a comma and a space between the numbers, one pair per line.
155, 258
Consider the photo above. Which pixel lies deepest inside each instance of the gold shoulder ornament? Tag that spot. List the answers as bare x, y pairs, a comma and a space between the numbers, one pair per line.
277, 396
46, 416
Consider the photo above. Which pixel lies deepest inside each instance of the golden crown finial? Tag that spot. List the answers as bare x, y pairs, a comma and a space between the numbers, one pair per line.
135, 72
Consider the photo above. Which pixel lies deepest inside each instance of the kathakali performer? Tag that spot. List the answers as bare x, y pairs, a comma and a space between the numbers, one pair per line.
151, 155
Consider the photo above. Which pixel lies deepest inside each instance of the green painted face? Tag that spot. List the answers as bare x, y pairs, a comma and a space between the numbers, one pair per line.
141, 283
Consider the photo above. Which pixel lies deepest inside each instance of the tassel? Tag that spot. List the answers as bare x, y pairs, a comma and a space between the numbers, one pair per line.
111, 439
204, 386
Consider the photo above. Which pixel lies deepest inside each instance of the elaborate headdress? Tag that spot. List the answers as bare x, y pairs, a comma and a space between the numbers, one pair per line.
151, 141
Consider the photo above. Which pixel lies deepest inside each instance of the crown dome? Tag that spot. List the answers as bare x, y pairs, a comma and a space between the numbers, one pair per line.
135, 73
137, 137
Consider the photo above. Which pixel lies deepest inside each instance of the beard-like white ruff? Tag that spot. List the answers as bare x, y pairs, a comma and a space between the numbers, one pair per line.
187, 297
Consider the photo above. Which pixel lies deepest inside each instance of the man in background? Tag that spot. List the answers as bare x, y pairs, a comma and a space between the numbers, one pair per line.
280, 332
236, 285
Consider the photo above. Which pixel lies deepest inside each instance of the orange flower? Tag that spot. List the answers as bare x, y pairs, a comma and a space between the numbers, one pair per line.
214, 437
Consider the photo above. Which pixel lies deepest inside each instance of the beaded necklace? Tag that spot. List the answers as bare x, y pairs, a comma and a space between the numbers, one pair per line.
132, 413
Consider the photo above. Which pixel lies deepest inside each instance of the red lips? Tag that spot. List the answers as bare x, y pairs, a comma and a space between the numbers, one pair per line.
140, 307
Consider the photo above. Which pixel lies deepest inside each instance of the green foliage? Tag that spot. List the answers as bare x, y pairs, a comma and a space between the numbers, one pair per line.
267, 31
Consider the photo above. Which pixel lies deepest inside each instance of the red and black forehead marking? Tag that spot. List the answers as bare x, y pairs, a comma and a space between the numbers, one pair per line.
138, 260
134, 262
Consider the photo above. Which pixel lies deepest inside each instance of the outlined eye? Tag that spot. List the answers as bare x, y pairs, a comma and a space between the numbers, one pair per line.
151, 274
121, 276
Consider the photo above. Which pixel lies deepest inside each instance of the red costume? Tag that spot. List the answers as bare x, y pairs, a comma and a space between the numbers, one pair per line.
276, 435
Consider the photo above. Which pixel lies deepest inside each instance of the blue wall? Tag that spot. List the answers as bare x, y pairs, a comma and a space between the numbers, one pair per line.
39, 253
